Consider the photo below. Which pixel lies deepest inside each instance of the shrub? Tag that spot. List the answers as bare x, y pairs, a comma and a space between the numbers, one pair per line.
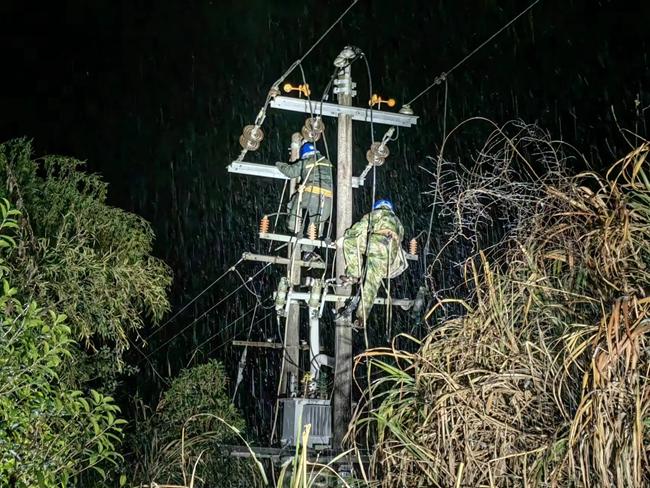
49, 434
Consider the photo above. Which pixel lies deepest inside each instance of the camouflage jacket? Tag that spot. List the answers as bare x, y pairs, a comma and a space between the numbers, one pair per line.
383, 222
314, 170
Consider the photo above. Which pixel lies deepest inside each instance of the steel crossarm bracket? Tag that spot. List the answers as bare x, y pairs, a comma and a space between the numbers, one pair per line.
266, 345
270, 171
249, 256
399, 302
334, 110
302, 241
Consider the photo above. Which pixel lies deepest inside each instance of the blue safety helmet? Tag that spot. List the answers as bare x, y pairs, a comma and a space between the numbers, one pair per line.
383, 203
307, 149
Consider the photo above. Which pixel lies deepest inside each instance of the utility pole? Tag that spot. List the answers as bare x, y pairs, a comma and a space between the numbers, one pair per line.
289, 295
342, 398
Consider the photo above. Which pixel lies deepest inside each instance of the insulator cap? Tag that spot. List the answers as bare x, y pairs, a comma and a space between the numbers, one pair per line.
312, 232
265, 224
253, 133
316, 124
413, 246
406, 110
310, 135
377, 153
248, 144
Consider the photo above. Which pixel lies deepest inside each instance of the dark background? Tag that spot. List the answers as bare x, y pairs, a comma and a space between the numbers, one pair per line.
154, 94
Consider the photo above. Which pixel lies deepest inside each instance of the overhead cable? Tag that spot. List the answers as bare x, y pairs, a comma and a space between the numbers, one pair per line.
203, 314
201, 293
313, 46
443, 76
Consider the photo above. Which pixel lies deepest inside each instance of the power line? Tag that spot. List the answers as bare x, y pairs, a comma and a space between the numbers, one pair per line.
228, 326
153, 368
443, 76
220, 346
168, 321
313, 46
203, 314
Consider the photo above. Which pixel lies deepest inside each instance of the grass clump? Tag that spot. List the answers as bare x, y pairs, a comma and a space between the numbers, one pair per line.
543, 380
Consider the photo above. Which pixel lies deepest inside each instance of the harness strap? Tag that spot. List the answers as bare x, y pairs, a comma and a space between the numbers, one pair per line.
318, 163
318, 190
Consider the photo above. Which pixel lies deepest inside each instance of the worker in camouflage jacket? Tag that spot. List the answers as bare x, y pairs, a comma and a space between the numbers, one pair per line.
378, 237
314, 193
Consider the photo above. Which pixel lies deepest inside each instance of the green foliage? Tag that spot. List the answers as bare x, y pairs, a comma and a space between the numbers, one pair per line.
49, 434
199, 390
92, 261
193, 419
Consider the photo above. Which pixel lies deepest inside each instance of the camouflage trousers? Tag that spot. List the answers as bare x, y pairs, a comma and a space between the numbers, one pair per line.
379, 254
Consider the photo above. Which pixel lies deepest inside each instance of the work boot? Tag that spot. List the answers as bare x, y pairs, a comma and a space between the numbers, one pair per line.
310, 256
348, 280
350, 307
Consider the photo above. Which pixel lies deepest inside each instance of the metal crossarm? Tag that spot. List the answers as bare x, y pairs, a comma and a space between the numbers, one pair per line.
249, 256
334, 110
398, 302
266, 345
270, 171
302, 241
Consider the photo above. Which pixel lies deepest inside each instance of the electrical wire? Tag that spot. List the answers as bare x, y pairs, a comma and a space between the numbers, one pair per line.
233, 338
229, 325
153, 368
262, 113
443, 76
202, 315
313, 46
426, 249
201, 293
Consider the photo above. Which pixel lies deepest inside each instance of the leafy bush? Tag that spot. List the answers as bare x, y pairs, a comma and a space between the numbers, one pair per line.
88, 259
49, 434
193, 420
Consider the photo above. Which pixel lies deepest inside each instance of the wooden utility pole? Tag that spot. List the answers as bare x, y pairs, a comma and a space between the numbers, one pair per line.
343, 332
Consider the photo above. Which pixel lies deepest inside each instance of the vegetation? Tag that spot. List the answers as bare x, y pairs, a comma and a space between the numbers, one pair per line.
544, 378
83, 258
49, 434
191, 423
78, 283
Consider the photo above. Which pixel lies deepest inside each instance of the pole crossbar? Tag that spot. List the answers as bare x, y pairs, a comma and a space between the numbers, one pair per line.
334, 110
249, 256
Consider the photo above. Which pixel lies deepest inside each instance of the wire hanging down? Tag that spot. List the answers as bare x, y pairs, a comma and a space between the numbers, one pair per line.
443, 76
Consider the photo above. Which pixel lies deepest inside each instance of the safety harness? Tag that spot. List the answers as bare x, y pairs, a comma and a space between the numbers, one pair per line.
323, 192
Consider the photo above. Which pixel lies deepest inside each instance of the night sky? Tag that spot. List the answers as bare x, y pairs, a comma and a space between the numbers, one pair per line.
154, 94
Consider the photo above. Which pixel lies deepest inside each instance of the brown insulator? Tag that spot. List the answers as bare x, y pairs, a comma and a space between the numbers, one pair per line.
253, 133
413, 246
377, 153
310, 135
312, 232
248, 144
316, 124
265, 224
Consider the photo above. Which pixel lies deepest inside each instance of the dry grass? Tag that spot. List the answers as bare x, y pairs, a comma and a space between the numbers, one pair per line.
544, 380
